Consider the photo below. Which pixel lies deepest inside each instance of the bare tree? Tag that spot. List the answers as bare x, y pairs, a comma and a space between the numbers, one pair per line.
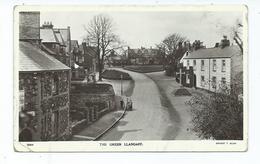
162, 53
100, 33
172, 44
237, 33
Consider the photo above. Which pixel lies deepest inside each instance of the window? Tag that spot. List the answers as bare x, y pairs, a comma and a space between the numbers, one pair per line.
223, 81
223, 69
194, 64
202, 80
187, 79
214, 82
188, 64
55, 85
55, 123
214, 65
202, 65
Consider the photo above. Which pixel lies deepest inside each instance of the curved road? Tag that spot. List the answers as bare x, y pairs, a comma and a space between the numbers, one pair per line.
149, 120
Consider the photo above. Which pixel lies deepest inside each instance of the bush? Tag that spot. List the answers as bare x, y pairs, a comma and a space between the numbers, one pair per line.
144, 68
218, 115
170, 70
115, 75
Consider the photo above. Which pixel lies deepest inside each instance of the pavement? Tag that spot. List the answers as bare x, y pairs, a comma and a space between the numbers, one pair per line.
96, 129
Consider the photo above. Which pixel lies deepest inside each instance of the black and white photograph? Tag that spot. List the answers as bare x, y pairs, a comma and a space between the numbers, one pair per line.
130, 78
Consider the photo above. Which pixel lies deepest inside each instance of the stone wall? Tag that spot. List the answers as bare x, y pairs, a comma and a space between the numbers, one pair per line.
46, 107
91, 106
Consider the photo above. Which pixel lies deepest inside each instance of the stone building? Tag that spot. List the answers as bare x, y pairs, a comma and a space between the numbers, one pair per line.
43, 86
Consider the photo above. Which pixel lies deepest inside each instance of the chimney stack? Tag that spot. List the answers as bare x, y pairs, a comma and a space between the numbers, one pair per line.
225, 42
29, 26
47, 25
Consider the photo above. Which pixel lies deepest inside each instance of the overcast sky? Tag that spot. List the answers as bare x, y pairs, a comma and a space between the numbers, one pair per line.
149, 28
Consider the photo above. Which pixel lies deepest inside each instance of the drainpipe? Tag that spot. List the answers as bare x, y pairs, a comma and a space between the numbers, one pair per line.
209, 75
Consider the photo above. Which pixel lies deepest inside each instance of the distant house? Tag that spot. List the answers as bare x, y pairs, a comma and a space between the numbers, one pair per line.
144, 56
78, 72
43, 86
54, 44
214, 68
65, 36
114, 59
88, 60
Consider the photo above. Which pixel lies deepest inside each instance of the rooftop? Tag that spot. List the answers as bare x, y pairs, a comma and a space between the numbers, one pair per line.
48, 36
216, 52
33, 59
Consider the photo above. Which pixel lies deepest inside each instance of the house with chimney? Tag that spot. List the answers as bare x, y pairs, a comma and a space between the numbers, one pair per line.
44, 84
56, 42
143, 56
214, 68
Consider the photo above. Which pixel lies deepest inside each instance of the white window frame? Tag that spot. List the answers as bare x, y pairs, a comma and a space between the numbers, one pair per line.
202, 65
194, 64
202, 81
214, 68
223, 66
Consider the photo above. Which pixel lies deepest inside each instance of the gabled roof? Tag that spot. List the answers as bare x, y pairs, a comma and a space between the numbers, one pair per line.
59, 38
48, 36
33, 59
89, 50
64, 32
216, 52
74, 43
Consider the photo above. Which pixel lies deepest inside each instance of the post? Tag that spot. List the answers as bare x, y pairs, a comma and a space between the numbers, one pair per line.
121, 77
180, 76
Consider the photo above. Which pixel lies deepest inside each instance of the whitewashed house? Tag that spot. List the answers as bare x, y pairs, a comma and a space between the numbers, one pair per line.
215, 67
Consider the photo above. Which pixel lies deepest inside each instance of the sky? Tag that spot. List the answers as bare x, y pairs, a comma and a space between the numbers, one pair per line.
148, 28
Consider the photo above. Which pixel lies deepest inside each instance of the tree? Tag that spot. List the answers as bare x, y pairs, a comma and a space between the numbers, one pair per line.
100, 33
173, 47
237, 32
162, 53
218, 115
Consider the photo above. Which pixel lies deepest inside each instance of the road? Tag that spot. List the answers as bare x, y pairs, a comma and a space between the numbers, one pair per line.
149, 119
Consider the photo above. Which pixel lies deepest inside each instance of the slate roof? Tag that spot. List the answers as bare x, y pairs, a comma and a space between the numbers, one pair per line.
59, 38
48, 36
33, 59
216, 52
64, 33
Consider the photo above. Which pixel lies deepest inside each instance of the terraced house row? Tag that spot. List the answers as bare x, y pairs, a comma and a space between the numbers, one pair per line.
214, 68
